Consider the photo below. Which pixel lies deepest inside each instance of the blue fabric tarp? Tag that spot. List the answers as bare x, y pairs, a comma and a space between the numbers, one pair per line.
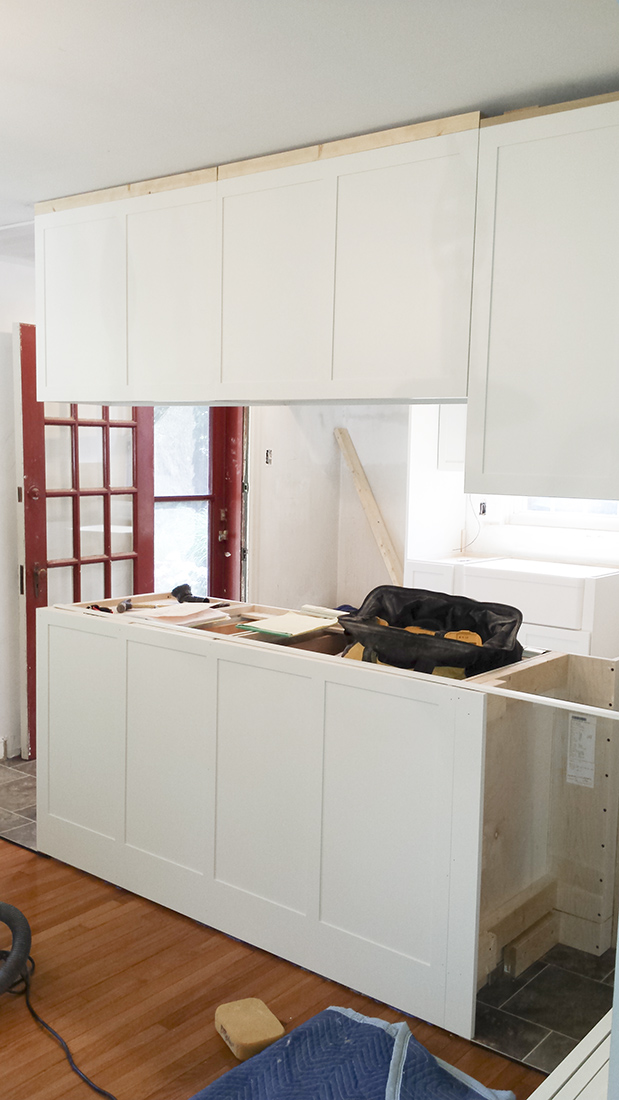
340, 1055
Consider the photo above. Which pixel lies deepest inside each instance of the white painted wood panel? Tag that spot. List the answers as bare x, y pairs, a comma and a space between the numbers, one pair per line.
325, 811
264, 754
368, 736
81, 307
545, 336
173, 297
278, 253
167, 754
405, 220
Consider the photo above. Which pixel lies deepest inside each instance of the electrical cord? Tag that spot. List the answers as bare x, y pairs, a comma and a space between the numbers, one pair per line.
22, 986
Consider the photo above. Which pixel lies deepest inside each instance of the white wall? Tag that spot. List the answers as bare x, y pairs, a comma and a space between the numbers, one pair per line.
16, 305
309, 540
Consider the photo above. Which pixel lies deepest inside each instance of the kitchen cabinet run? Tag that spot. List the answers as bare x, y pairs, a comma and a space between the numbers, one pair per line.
393, 831
344, 279
544, 373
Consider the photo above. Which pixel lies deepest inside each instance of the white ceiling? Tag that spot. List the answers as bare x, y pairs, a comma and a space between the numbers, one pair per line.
94, 94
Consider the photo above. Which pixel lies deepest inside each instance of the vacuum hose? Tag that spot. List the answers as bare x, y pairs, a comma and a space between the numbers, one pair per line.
16, 960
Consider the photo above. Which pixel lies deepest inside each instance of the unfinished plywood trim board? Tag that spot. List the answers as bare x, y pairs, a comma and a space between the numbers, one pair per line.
361, 144
453, 124
554, 108
370, 507
128, 191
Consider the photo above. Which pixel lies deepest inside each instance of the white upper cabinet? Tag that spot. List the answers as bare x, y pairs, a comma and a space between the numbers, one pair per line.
405, 223
277, 235
127, 299
346, 278
81, 305
544, 385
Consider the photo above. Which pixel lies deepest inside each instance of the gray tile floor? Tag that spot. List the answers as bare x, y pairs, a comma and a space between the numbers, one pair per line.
18, 802
542, 1015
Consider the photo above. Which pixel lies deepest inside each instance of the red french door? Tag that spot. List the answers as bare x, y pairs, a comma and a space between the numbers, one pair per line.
88, 504
92, 521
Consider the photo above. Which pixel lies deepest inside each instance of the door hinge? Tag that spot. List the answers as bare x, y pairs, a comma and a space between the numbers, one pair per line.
243, 553
21, 580
19, 494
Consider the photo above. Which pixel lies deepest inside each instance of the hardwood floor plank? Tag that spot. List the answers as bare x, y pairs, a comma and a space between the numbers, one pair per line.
133, 988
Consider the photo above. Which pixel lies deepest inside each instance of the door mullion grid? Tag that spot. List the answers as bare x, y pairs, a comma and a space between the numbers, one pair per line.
107, 530
77, 549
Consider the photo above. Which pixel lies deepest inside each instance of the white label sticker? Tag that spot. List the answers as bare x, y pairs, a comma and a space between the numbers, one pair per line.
581, 750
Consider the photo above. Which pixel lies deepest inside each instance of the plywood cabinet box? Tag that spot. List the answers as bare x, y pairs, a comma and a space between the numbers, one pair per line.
399, 833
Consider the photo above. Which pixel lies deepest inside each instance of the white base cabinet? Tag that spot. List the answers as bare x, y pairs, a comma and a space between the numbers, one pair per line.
325, 811
567, 608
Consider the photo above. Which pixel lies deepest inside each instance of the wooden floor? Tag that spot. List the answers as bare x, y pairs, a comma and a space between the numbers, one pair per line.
133, 989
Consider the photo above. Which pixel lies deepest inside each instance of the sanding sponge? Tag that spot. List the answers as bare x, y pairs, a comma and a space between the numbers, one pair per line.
247, 1026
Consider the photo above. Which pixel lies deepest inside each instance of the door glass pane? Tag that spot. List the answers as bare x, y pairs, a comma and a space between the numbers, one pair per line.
122, 577
121, 412
181, 450
121, 456
56, 410
93, 582
60, 585
121, 518
58, 466
91, 526
89, 412
181, 546
91, 457
59, 512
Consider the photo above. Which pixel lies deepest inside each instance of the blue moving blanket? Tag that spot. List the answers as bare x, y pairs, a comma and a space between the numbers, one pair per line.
340, 1055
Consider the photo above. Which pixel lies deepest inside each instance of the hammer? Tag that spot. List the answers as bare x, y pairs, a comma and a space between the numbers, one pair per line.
182, 593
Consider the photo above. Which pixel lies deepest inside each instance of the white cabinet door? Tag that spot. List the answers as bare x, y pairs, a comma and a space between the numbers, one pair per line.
173, 296
544, 385
81, 306
405, 223
127, 300
277, 255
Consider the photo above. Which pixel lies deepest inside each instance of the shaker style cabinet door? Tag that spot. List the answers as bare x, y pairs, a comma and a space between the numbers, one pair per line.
81, 305
405, 225
128, 301
173, 296
277, 239
544, 387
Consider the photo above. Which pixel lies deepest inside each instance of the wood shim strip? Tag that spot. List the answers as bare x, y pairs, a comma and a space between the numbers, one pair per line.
554, 108
381, 139
378, 140
370, 507
128, 191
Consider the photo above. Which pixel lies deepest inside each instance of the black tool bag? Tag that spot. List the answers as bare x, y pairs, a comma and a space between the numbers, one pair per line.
496, 624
